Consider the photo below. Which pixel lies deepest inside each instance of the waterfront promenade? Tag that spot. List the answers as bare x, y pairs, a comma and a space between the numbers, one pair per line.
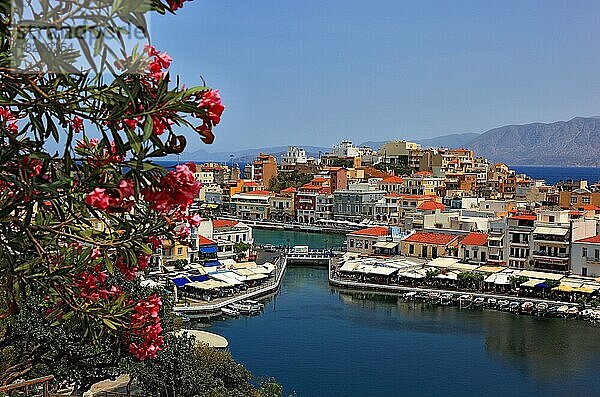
196, 307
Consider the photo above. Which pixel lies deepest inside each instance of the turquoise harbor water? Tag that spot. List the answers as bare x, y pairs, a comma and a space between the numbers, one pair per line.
321, 341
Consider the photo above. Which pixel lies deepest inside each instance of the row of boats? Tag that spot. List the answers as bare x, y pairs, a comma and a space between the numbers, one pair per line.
247, 307
515, 305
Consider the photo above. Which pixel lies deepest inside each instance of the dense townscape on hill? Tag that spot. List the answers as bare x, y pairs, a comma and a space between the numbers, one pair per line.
449, 201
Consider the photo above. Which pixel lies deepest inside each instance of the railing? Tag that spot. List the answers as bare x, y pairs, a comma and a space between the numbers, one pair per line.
549, 255
24, 387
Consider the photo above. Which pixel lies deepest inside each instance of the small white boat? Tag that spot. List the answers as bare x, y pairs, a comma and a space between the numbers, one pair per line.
514, 305
562, 310
572, 311
491, 302
230, 312
410, 295
527, 307
254, 304
503, 304
478, 301
434, 295
465, 297
541, 306
446, 299
586, 314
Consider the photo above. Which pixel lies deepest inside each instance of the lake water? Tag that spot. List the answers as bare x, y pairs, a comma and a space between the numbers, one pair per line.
321, 341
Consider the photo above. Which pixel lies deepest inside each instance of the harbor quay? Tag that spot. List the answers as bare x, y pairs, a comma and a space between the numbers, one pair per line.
446, 281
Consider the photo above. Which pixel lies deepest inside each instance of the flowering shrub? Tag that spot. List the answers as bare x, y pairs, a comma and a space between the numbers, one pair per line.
79, 225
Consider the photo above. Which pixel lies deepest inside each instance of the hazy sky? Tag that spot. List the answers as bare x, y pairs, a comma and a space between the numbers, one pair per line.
315, 72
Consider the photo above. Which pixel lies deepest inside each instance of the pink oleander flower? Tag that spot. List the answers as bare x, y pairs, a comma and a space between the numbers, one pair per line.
98, 198
211, 103
145, 336
176, 190
77, 124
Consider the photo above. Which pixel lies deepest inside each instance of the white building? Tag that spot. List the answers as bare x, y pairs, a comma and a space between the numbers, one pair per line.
345, 149
295, 155
585, 256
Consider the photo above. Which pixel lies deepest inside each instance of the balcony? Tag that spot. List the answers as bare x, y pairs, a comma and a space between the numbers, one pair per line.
548, 255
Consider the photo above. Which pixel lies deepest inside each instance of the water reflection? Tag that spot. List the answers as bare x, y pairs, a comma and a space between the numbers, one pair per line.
549, 350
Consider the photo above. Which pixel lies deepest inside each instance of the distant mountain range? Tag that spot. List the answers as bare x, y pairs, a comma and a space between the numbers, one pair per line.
567, 143
564, 143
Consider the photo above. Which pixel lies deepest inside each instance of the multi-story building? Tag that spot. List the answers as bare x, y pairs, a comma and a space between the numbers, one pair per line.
312, 201
585, 256
254, 205
520, 241
401, 152
294, 155
391, 184
356, 203
228, 233
578, 199
338, 177
423, 183
496, 245
552, 239
282, 205
264, 168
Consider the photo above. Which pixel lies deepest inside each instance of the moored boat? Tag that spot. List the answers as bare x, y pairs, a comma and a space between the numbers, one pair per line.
541, 306
503, 304
572, 311
527, 307
562, 310
478, 301
491, 302
230, 312
514, 305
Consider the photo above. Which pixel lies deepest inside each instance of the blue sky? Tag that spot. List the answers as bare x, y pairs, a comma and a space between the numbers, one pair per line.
316, 72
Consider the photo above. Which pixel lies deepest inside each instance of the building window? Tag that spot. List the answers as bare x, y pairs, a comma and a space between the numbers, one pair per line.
584, 271
584, 252
179, 251
411, 249
573, 199
585, 200
351, 243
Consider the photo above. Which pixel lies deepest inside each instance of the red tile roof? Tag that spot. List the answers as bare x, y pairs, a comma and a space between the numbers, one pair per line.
423, 173
290, 189
524, 217
375, 231
589, 207
393, 179
250, 183
431, 206
204, 241
220, 223
393, 194
593, 240
430, 238
475, 239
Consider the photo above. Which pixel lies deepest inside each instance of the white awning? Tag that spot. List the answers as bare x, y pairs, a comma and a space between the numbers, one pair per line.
553, 231
385, 244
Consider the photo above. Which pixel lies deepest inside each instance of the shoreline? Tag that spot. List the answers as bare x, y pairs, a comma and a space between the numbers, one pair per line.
400, 290
208, 309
